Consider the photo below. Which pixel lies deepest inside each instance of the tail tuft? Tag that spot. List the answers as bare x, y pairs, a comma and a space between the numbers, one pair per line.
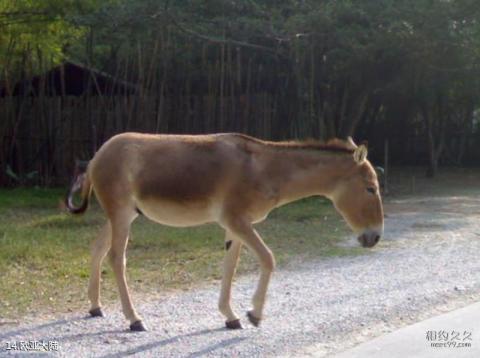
80, 182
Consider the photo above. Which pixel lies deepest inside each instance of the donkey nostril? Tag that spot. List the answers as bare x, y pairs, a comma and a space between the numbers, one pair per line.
377, 238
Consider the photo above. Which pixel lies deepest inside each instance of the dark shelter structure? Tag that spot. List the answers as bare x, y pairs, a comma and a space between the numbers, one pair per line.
53, 118
70, 79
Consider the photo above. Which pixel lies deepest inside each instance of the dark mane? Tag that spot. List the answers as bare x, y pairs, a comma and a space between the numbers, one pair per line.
333, 145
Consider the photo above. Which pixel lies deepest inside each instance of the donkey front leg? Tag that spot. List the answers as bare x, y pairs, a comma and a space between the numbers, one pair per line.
120, 232
252, 239
232, 247
100, 248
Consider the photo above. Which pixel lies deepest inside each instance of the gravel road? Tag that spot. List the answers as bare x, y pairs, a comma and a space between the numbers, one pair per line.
428, 262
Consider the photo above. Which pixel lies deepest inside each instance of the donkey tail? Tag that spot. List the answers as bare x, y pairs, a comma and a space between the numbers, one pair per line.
80, 182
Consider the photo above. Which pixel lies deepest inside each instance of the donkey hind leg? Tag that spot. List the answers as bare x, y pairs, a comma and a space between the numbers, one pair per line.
232, 247
120, 233
100, 248
250, 237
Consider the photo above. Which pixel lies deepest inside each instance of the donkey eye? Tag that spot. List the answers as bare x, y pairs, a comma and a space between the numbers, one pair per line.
371, 190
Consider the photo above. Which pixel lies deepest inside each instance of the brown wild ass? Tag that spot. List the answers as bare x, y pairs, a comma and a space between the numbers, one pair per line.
231, 179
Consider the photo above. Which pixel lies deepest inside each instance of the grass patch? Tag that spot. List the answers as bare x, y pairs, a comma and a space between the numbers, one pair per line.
44, 253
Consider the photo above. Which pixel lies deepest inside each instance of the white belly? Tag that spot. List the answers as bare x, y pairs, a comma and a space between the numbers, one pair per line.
177, 214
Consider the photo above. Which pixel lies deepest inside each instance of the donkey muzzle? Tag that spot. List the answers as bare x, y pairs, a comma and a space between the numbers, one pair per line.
369, 238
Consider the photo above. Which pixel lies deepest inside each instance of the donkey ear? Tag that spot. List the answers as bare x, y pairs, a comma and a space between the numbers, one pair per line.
351, 142
360, 154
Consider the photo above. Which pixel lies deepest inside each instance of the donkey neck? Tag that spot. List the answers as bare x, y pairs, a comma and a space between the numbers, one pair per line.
301, 173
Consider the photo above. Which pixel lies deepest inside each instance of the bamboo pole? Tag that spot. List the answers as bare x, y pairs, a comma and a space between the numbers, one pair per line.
385, 169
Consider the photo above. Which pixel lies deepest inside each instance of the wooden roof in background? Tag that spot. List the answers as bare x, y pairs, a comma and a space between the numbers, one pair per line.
70, 79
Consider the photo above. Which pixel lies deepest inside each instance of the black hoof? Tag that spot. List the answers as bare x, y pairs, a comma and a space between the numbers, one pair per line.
254, 320
138, 326
96, 312
235, 324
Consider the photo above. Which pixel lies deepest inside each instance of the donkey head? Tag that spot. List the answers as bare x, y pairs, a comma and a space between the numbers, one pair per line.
357, 198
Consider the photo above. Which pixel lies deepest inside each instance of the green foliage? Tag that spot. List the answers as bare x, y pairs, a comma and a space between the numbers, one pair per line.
21, 179
33, 34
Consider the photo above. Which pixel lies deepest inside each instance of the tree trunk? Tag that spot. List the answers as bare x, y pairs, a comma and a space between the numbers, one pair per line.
466, 130
435, 140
